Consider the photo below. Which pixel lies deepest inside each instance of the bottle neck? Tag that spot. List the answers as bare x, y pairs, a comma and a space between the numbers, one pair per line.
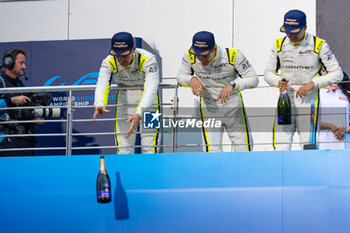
102, 164
284, 92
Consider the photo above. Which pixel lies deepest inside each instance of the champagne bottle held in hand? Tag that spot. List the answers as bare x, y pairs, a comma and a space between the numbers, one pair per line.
103, 184
284, 108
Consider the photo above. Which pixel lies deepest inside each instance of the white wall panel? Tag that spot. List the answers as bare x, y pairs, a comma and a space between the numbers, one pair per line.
168, 25
33, 20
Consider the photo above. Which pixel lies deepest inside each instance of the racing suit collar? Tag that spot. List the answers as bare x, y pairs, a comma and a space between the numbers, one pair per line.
132, 62
216, 54
299, 42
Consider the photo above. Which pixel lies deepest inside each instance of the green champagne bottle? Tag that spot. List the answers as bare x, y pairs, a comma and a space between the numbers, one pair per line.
103, 184
284, 108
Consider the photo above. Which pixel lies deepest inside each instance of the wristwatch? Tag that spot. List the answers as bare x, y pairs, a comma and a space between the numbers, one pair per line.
233, 84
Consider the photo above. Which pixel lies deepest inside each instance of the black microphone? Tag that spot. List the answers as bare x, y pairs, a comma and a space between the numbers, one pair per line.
25, 76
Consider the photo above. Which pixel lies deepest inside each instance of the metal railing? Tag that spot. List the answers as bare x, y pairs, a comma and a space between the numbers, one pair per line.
68, 118
69, 121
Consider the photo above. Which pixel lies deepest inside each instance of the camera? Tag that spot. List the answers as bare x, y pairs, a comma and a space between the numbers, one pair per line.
37, 99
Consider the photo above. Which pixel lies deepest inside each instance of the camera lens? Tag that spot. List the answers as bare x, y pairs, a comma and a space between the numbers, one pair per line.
48, 112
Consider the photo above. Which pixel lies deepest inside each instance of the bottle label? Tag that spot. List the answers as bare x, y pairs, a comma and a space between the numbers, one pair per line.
104, 194
283, 94
280, 119
284, 119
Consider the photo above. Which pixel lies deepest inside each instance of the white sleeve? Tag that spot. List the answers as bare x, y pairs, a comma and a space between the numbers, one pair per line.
249, 78
103, 84
184, 74
334, 71
151, 84
270, 75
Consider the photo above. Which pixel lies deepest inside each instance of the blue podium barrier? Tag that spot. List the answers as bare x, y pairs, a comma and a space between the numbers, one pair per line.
272, 192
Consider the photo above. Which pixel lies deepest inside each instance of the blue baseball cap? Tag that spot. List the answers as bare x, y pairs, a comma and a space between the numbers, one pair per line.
122, 44
203, 43
294, 21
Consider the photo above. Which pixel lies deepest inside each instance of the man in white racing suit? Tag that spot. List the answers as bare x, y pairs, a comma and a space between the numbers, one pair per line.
299, 58
130, 66
212, 73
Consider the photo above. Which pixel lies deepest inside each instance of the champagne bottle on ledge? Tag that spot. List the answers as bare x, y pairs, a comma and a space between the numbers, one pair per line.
103, 184
284, 108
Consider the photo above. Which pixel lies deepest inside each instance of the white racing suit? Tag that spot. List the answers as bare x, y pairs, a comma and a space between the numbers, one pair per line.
301, 63
227, 64
143, 71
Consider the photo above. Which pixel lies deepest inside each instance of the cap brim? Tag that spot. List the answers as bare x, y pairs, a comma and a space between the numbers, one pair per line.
200, 52
288, 29
120, 53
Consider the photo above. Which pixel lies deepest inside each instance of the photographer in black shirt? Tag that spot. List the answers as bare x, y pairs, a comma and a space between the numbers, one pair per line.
14, 64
